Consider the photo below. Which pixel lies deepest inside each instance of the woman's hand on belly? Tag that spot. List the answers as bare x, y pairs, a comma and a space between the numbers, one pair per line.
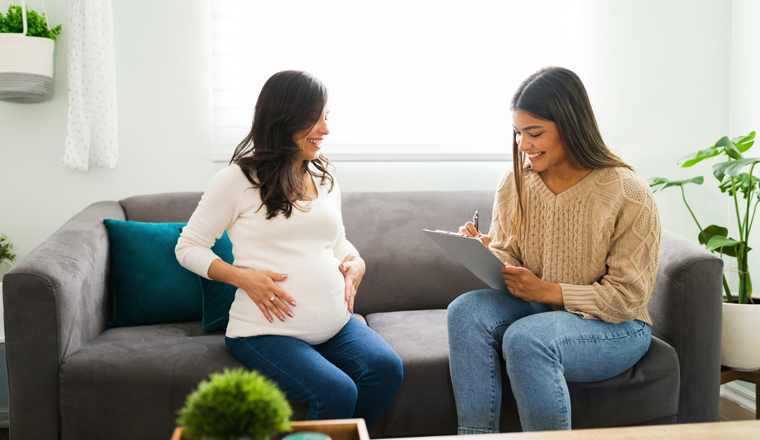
261, 286
353, 271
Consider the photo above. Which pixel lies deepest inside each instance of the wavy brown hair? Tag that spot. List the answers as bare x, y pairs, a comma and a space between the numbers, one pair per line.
557, 94
289, 102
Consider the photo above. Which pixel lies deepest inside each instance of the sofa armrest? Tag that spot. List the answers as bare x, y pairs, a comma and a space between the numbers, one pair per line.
55, 301
687, 314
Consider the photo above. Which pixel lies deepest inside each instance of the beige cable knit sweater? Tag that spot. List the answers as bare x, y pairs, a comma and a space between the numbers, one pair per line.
599, 240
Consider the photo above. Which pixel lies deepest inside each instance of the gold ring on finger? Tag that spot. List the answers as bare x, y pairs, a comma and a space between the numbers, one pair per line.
272, 298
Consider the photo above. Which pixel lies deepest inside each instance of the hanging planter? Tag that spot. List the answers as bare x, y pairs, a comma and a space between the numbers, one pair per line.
27, 46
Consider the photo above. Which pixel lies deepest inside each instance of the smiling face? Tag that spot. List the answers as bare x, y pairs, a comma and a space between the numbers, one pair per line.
541, 142
310, 139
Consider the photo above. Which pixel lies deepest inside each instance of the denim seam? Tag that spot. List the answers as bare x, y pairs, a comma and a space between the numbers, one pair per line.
490, 329
475, 430
361, 364
561, 393
590, 341
567, 340
492, 407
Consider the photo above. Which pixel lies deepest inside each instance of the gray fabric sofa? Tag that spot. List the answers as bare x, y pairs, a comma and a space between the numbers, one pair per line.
71, 378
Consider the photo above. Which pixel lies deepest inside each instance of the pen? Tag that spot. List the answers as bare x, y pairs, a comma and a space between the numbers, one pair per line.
475, 220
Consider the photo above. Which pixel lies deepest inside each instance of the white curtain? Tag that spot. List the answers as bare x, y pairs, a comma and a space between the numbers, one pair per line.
91, 135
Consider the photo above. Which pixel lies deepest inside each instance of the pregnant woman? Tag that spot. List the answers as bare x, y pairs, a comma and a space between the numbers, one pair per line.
297, 275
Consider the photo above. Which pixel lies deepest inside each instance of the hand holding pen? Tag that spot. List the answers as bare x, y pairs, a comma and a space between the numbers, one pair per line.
470, 229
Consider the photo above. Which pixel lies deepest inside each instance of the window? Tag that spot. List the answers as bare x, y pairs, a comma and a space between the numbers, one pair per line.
409, 79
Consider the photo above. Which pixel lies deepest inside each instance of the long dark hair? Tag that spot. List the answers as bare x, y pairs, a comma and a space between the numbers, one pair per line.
557, 94
290, 101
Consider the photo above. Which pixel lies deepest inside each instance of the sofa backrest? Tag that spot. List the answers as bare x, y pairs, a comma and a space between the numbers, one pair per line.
161, 208
405, 269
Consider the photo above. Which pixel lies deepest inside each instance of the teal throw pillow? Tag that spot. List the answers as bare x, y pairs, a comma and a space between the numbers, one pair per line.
150, 285
218, 296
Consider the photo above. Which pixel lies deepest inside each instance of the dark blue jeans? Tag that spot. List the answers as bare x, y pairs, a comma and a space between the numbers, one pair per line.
354, 374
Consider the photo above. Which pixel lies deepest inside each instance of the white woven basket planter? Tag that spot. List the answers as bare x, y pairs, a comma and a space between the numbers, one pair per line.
26, 67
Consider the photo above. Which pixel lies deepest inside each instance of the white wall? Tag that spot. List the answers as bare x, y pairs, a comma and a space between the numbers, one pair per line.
745, 101
663, 91
659, 86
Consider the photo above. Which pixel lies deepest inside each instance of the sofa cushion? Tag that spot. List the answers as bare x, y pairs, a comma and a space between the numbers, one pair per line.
133, 380
421, 340
143, 374
150, 286
646, 392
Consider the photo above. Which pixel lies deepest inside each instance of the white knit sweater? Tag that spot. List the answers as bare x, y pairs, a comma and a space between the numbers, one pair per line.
308, 247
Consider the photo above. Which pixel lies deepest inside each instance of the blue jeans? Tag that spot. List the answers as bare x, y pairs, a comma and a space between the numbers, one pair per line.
354, 374
542, 349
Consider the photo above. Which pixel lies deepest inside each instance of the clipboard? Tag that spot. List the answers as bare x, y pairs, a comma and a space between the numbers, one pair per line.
471, 253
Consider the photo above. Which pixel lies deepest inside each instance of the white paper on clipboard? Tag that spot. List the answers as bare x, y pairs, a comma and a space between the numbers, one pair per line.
471, 253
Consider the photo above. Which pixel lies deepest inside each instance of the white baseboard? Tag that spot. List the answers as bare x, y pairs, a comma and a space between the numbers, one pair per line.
740, 395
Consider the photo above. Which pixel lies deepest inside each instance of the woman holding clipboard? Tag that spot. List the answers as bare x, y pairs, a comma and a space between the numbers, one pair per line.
579, 233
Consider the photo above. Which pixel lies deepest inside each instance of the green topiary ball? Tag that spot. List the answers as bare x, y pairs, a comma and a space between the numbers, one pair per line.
235, 404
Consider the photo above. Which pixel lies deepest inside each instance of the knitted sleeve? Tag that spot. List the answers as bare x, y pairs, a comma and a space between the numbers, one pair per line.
501, 223
632, 260
217, 210
342, 247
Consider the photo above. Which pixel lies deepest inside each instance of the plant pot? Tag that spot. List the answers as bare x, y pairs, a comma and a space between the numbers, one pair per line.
740, 343
26, 66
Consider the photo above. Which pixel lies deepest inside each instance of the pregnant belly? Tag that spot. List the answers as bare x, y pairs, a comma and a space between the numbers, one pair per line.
320, 304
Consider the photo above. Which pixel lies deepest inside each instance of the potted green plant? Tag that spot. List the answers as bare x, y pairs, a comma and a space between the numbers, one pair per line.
6, 256
740, 348
27, 46
235, 404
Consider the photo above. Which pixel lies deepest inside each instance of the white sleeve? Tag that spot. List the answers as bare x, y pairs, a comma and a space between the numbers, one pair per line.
217, 210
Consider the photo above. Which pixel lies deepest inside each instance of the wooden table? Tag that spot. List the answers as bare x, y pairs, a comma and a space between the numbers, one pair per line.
744, 430
355, 429
729, 375
344, 429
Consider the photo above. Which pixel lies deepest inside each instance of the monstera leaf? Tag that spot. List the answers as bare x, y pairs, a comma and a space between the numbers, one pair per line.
723, 245
741, 183
699, 156
660, 183
710, 232
744, 142
732, 167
